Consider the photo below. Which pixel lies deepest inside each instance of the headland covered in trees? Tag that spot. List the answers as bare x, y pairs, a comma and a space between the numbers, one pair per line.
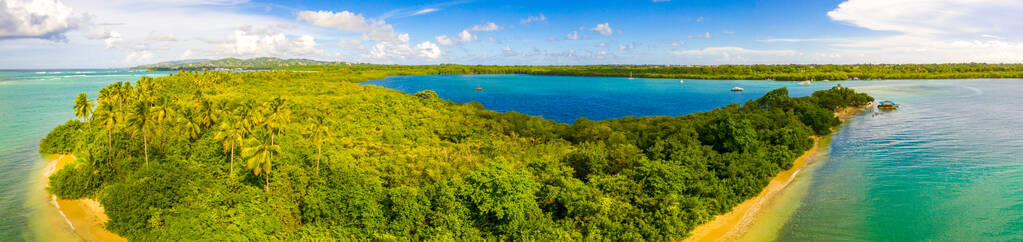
281, 155
793, 72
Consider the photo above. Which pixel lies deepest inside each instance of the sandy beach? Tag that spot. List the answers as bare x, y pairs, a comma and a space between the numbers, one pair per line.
83, 217
732, 225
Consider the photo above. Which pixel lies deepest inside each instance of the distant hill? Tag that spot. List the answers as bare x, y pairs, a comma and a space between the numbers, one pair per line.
230, 63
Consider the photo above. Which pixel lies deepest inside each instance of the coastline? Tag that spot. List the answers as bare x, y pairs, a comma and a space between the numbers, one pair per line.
82, 217
733, 225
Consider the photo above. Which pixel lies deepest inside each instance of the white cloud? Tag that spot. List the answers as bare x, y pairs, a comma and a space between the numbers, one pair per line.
98, 33
462, 37
43, 19
400, 48
428, 50
162, 37
350, 43
530, 19
699, 19
705, 35
491, 26
344, 20
733, 50
112, 39
493, 40
931, 31
922, 17
626, 47
139, 57
797, 40
186, 55
247, 41
424, 11
444, 40
604, 29
572, 36
465, 36
602, 44
508, 52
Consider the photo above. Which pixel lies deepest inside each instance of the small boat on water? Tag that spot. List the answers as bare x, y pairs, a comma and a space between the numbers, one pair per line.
681, 81
737, 89
887, 105
804, 83
478, 88
630, 76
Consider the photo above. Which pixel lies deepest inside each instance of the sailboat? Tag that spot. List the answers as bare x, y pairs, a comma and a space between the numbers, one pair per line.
630, 76
479, 88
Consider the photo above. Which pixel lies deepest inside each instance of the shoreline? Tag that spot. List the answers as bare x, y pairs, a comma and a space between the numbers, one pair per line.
82, 217
733, 225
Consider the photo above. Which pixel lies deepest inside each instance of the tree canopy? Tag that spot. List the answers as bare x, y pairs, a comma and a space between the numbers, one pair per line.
328, 158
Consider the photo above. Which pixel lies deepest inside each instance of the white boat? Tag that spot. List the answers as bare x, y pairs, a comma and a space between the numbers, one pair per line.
804, 83
681, 81
630, 76
736, 89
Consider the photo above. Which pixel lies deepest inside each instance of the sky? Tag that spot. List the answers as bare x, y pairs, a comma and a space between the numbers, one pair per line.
48, 34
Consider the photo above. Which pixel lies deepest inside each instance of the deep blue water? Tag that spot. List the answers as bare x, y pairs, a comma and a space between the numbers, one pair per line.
565, 98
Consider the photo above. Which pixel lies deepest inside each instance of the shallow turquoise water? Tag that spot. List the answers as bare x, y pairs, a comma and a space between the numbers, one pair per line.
31, 104
948, 165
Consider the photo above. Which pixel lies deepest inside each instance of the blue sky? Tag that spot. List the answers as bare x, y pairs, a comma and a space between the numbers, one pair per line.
119, 33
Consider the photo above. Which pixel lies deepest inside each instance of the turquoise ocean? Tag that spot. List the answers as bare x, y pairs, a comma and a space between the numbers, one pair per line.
32, 102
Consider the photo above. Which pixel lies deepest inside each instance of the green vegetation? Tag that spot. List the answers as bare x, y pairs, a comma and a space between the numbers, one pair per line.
718, 72
327, 158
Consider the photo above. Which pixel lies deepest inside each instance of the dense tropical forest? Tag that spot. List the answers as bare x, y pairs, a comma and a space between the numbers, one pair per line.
281, 155
717, 72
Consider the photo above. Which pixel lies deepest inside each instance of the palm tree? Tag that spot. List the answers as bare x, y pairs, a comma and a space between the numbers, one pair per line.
259, 157
106, 115
83, 106
209, 113
190, 123
231, 133
278, 115
141, 122
162, 110
318, 132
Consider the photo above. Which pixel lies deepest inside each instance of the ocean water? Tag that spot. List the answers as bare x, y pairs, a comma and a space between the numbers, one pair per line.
947, 165
31, 104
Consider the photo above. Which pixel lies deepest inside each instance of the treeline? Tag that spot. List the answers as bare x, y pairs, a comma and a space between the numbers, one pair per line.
289, 156
719, 72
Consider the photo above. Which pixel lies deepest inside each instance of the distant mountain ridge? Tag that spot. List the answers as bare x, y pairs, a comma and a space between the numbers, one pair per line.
231, 63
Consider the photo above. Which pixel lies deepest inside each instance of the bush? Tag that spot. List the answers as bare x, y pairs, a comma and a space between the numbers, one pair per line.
63, 139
